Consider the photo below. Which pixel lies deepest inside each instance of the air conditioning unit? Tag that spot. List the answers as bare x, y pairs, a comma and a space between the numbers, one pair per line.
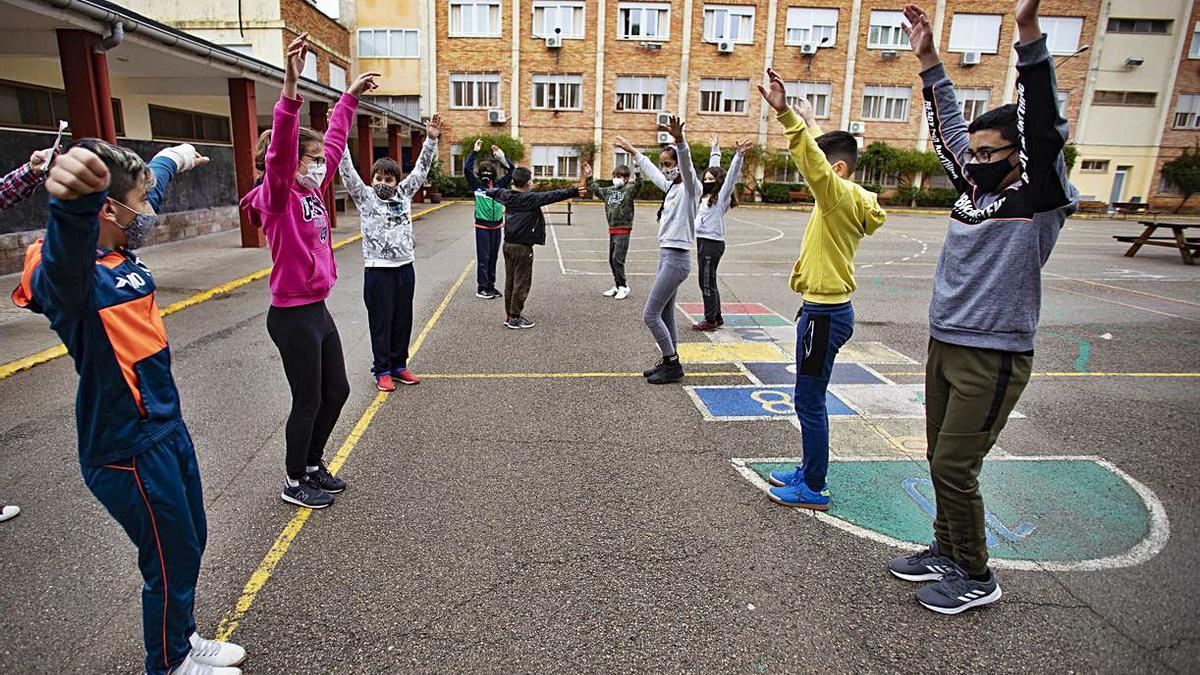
665, 138
554, 42
971, 58
888, 54
496, 117
857, 128
725, 47
662, 118
808, 48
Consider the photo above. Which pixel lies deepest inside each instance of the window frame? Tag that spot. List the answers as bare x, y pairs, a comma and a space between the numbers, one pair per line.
730, 12
980, 106
1049, 22
1124, 102
975, 19
1194, 112
664, 22
559, 155
478, 81
640, 94
1105, 165
558, 5
554, 83
55, 114
1194, 46
902, 37
805, 87
722, 98
497, 32
1128, 26
388, 36
788, 28
196, 117
884, 98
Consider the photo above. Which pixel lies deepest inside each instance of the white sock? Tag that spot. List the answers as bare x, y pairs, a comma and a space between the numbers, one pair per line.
311, 469
291, 482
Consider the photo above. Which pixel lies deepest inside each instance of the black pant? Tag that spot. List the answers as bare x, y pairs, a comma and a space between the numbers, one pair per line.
618, 248
388, 294
487, 253
518, 277
709, 252
311, 349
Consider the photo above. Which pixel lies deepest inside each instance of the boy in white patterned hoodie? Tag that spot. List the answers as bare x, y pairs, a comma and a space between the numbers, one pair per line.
389, 282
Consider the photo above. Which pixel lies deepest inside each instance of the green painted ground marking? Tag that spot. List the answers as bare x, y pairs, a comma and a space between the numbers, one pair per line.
1059, 513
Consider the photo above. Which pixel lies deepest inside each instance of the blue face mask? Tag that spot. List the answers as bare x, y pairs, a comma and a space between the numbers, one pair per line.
137, 231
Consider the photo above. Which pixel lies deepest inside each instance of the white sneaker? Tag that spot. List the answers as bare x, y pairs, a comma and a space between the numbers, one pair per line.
215, 653
610, 292
8, 512
622, 293
191, 666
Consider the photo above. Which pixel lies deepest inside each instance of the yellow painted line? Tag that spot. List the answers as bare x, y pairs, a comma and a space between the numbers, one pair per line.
731, 352
283, 542
25, 363
552, 376
1067, 374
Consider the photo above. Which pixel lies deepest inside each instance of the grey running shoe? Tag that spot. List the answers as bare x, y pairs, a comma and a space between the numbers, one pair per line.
926, 565
957, 592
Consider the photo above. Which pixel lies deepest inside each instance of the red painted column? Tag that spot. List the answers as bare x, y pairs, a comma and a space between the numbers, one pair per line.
318, 120
366, 147
418, 139
108, 126
393, 131
243, 113
78, 70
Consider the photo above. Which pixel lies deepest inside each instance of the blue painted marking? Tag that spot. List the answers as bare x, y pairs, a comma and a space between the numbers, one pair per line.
785, 373
994, 524
759, 402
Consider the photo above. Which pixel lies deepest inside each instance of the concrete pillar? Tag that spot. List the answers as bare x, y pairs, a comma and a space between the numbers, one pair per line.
108, 125
243, 113
366, 148
394, 151
79, 81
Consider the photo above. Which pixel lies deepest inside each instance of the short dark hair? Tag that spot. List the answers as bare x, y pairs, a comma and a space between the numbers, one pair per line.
521, 176
839, 146
386, 166
674, 153
1002, 119
486, 169
622, 171
126, 170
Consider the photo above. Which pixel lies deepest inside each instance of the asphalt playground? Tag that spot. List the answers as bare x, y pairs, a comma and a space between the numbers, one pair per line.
535, 506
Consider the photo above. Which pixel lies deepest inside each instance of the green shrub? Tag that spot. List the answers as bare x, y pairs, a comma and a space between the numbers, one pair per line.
940, 197
777, 193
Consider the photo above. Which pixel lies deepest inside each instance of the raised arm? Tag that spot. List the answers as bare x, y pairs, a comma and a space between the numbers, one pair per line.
1041, 125
469, 173
653, 173
825, 185
725, 196
687, 170
433, 135
947, 126
359, 191
714, 152
283, 156
166, 165
506, 180
598, 191
23, 180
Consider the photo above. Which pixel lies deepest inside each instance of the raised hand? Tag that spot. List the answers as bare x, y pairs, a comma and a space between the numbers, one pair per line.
581, 191
434, 127
1027, 20
587, 170
624, 144
293, 64
920, 35
714, 141
744, 144
185, 156
79, 172
478, 144
38, 161
498, 152
674, 126
774, 93
362, 84
804, 109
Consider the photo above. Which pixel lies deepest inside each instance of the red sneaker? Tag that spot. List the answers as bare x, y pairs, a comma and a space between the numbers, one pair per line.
406, 377
384, 383
705, 327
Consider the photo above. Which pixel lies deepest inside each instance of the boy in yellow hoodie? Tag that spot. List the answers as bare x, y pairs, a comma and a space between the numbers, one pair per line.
824, 276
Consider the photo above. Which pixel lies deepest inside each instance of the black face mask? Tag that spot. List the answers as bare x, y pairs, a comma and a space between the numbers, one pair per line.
710, 186
989, 175
384, 191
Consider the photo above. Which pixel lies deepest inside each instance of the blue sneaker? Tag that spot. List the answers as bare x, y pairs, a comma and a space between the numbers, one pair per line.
785, 477
800, 496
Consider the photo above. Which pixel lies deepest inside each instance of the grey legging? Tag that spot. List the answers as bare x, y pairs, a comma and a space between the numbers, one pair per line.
674, 265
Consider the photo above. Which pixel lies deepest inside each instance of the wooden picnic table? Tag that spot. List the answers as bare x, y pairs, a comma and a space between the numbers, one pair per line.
1189, 247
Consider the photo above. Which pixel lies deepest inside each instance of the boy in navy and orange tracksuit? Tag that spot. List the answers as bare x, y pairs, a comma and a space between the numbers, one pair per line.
136, 455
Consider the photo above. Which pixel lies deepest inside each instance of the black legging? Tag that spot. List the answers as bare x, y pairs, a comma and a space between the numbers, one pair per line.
708, 253
311, 349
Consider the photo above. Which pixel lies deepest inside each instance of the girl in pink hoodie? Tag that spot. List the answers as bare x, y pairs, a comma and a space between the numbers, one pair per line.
288, 206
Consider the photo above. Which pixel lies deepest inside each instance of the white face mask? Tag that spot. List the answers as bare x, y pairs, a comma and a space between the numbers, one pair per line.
313, 179
618, 182
672, 173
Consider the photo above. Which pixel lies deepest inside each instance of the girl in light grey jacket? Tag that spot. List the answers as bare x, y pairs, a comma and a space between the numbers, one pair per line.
676, 235
717, 198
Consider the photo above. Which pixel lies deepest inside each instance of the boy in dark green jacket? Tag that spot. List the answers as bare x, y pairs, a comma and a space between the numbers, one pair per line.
618, 208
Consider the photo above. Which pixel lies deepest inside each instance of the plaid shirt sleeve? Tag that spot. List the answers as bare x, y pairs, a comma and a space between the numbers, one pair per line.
18, 185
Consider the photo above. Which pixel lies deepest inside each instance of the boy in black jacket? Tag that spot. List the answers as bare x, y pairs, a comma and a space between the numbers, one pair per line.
525, 228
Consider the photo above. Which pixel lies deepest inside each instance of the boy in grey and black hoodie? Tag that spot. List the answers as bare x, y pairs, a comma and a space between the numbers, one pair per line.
1014, 198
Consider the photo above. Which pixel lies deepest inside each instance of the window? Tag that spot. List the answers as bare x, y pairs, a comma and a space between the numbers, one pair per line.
1194, 50
975, 33
32, 107
1062, 33
886, 32
456, 160
168, 124
558, 92
729, 23
886, 104
388, 43
622, 158
555, 161
409, 106
1153, 26
1128, 98
718, 95
1064, 97
637, 93
310, 66
1187, 112
337, 77
558, 18
1097, 165
474, 18
875, 176
817, 93
972, 102
811, 26
1166, 187
474, 90
644, 21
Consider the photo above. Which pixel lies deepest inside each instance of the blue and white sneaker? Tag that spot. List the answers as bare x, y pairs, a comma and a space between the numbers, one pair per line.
800, 496
924, 565
785, 477
957, 592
